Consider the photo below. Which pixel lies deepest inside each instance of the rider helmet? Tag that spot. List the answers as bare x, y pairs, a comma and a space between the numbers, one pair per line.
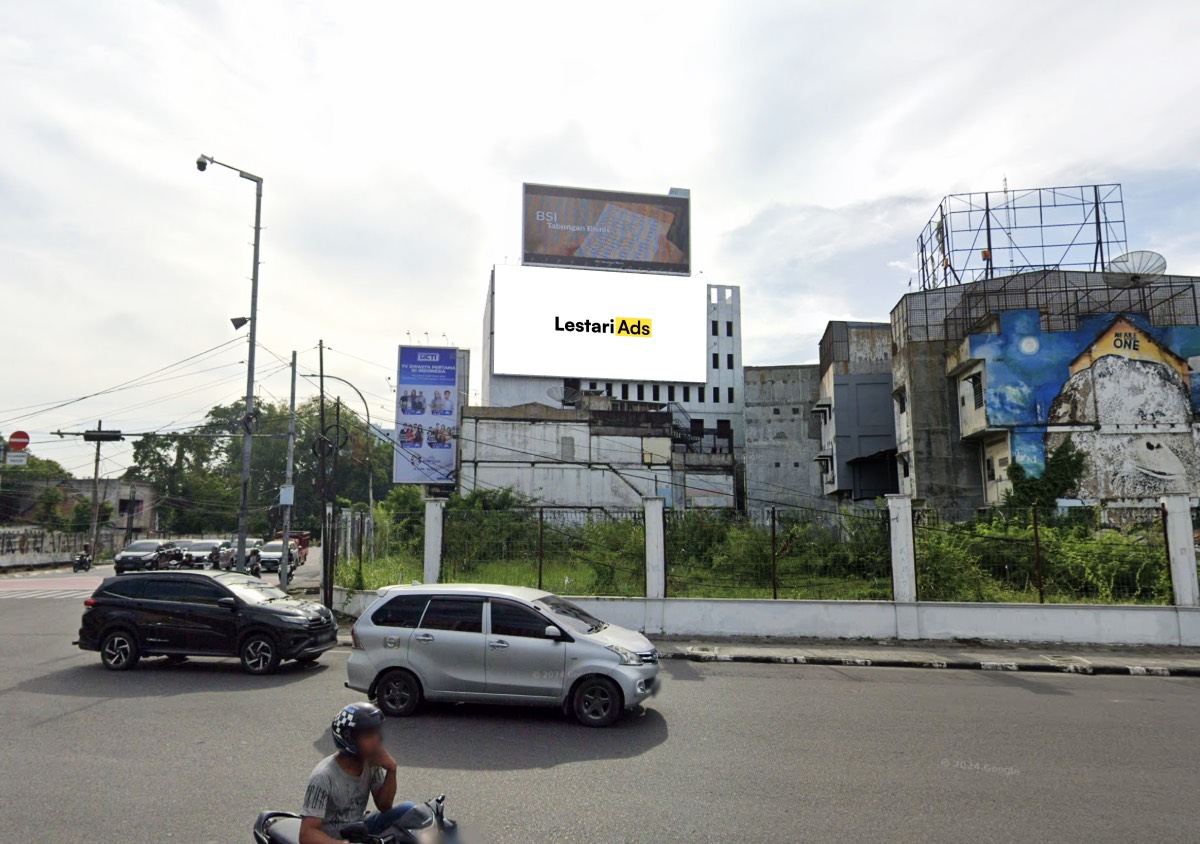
353, 719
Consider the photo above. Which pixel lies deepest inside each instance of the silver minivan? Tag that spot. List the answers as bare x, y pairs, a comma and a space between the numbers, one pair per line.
497, 644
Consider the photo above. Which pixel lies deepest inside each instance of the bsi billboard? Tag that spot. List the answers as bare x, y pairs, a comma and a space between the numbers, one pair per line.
430, 385
611, 230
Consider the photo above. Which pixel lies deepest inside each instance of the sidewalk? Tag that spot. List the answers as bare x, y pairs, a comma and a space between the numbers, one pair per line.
1053, 659
1064, 659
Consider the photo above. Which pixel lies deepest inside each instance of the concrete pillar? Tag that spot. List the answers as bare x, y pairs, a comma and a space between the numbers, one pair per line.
434, 512
904, 559
656, 565
1177, 510
656, 568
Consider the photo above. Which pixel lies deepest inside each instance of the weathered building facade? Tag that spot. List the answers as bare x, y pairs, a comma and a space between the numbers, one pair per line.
783, 437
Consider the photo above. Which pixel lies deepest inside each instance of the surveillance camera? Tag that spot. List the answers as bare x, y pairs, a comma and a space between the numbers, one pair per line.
201, 163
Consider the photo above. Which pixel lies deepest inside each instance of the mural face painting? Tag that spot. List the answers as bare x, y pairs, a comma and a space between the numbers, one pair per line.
1121, 389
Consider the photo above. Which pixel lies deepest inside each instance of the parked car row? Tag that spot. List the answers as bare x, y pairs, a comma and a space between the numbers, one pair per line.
158, 554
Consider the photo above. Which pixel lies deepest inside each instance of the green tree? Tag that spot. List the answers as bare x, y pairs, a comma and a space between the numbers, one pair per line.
47, 508
1059, 479
19, 483
80, 520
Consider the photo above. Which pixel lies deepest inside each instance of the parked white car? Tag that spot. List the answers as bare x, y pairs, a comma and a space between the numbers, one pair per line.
497, 644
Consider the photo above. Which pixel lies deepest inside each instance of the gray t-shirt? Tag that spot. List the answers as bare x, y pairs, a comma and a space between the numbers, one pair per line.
338, 798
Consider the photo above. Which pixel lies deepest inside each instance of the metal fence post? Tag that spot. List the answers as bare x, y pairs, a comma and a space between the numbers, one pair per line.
541, 540
1037, 555
774, 560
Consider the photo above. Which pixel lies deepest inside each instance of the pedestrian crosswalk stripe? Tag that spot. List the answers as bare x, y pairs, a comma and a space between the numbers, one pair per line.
77, 594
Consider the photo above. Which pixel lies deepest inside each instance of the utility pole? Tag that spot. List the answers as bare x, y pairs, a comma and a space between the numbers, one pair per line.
326, 579
337, 446
96, 499
285, 565
129, 513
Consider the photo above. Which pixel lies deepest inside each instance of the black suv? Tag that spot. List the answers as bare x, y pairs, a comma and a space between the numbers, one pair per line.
178, 614
144, 554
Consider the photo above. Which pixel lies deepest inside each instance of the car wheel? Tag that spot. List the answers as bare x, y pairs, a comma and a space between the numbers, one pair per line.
259, 654
119, 651
597, 702
398, 694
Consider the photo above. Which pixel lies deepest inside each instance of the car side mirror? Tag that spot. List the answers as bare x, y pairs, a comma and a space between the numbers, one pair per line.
227, 603
552, 632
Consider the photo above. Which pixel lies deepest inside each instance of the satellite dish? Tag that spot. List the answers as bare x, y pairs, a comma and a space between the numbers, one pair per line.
566, 395
1135, 269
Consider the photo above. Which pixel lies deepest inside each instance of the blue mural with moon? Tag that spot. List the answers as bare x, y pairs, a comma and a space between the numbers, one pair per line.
1027, 370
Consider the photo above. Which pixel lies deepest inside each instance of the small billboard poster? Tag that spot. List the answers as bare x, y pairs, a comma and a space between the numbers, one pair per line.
426, 415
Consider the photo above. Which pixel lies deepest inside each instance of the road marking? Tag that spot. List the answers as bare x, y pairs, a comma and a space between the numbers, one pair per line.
46, 594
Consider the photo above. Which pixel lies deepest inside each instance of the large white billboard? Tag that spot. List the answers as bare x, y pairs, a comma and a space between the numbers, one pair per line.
553, 322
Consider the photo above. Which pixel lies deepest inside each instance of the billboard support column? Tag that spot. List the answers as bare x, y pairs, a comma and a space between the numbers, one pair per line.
434, 514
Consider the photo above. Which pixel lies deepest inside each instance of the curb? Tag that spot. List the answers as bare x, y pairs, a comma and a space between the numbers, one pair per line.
950, 664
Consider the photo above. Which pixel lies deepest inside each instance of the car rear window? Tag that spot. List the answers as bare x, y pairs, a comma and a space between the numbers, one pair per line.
401, 611
457, 614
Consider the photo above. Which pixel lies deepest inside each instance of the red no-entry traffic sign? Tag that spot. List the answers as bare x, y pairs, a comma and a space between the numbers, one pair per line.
18, 440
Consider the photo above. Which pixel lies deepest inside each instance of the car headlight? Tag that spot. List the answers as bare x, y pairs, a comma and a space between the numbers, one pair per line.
295, 619
627, 656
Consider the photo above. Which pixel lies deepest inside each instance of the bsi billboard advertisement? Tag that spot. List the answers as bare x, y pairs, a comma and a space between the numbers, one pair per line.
428, 389
611, 230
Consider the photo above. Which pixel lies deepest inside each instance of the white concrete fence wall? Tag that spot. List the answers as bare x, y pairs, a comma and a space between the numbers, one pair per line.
904, 617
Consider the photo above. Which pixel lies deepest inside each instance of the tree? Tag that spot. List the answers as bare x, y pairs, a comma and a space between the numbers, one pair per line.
47, 508
18, 483
80, 520
1059, 479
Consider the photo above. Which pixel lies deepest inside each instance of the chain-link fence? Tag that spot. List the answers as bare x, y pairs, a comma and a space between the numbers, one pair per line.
572, 551
779, 553
1089, 555
384, 553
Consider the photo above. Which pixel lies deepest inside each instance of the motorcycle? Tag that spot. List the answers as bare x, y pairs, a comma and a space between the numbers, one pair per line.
83, 562
424, 823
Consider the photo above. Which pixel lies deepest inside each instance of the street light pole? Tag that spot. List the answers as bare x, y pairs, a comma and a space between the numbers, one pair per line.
248, 420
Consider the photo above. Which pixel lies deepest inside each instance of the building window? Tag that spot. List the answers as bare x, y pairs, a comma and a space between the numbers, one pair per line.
729, 328
716, 361
796, 465
591, 385
902, 401
714, 328
775, 411
976, 382
729, 395
608, 388
795, 411
687, 393
641, 392
670, 392
699, 395
990, 468
654, 392
712, 295
776, 464
624, 392
729, 361
716, 395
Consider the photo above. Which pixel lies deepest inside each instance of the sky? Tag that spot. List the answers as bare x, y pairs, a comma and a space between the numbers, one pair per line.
393, 138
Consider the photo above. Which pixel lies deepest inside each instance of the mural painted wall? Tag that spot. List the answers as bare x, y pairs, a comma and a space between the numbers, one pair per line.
1129, 392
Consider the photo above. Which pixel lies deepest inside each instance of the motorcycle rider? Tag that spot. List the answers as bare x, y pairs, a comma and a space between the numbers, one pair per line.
339, 786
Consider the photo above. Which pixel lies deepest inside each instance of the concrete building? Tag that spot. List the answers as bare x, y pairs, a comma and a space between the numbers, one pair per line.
1004, 369
600, 453
714, 412
854, 408
132, 502
783, 437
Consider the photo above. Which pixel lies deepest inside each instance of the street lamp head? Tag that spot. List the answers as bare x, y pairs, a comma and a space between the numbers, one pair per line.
238, 322
202, 163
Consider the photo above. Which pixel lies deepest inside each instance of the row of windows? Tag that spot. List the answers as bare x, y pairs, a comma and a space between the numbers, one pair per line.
656, 392
460, 615
716, 328
717, 361
776, 411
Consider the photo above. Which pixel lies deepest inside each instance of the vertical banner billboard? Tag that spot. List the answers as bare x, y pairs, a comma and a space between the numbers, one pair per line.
427, 396
610, 230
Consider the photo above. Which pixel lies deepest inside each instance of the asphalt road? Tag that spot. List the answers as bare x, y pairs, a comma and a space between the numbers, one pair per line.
739, 753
